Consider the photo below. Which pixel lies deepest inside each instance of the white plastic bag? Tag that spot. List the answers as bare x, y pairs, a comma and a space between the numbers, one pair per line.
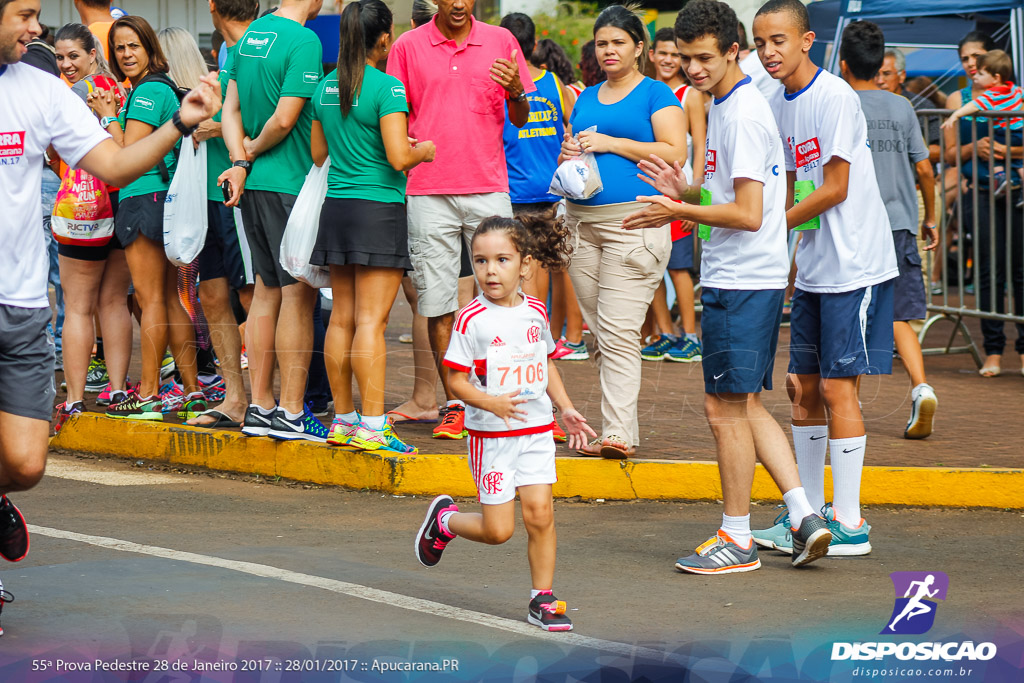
577, 178
302, 228
185, 218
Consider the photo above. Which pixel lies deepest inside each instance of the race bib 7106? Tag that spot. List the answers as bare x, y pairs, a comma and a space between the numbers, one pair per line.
523, 368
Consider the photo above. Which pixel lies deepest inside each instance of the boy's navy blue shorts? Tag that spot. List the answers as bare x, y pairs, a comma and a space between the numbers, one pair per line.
740, 333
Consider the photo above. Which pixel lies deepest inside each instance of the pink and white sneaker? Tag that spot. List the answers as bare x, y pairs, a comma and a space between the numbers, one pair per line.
566, 350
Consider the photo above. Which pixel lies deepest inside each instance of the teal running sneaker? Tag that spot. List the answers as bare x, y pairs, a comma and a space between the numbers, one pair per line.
384, 440
846, 541
684, 351
777, 536
658, 349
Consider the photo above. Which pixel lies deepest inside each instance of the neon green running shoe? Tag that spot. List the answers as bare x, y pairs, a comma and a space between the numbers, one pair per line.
383, 440
137, 407
342, 432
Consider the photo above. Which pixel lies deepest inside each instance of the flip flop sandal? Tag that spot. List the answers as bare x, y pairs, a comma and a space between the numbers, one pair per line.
404, 419
221, 420
614, 448
592, 449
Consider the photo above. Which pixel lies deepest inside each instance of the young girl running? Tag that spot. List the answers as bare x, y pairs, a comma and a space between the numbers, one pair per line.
499, 364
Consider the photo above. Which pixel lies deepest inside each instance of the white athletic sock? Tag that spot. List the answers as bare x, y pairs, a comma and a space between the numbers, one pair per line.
533, 592
798, 505
455, 402
375, 422
847, 464
347, 418
692, 336
738, 529
292, 416
444, 521
810, 443
265, 412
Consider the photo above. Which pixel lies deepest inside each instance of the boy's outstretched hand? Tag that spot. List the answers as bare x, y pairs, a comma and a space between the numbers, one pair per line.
576, 428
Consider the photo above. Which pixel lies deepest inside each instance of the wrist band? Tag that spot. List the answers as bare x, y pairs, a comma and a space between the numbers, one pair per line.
180, 125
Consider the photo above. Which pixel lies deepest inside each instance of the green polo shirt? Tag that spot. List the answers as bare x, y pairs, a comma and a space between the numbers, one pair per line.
153, 104
359, 162
276, 58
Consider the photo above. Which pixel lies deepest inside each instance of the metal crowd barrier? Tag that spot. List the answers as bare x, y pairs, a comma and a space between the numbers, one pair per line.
961, 290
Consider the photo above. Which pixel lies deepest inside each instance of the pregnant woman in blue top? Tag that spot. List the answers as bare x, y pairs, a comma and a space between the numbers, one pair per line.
616, 272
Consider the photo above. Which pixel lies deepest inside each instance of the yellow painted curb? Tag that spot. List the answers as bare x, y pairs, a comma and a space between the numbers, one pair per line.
432, 474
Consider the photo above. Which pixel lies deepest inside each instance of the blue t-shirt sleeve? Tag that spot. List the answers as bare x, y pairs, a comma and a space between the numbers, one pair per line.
660, 96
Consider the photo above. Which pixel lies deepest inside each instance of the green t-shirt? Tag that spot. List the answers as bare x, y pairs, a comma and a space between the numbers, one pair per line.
154, 104
276, 58
217, 158
359, 162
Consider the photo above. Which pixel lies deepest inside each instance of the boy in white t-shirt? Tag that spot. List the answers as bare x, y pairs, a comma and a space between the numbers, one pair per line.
841, 324
744, 273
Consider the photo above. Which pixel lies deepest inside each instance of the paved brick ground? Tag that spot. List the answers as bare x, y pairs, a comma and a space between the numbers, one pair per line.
979, 422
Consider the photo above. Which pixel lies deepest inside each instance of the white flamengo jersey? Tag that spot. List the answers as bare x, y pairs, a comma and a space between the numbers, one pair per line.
504, 348
853, 246
36, 110
743, 142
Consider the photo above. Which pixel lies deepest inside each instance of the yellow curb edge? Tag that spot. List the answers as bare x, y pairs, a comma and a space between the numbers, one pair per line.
425, 474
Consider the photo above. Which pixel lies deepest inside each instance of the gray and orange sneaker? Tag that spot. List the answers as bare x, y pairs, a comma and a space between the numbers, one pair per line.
720, 555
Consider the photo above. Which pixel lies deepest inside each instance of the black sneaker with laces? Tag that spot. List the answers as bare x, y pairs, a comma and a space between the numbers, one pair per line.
13, 532
431, 539
548, 612
256, 423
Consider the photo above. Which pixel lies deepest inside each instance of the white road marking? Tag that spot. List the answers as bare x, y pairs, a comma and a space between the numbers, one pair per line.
366, 593
63, 469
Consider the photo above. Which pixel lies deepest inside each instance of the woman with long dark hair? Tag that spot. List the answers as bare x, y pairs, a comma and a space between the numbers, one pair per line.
361, 123
95, 279
153, 100
616, 272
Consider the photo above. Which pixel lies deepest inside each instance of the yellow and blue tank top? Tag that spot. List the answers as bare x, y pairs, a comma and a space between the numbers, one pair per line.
531, 152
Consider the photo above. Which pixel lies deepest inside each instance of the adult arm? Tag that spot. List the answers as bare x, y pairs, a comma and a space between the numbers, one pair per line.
697, 120
745, 213
926, 179
834, 186
277, 127
505, 72
401, 153
318, 143
234, 137
669, 125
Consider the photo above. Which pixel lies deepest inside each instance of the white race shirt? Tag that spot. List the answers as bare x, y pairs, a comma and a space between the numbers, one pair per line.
743, 142
483, 328
751, 65
36, 110
853, 247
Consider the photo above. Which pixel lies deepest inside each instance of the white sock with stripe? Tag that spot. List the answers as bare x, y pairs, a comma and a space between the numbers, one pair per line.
809, 444
738, 529
847, 465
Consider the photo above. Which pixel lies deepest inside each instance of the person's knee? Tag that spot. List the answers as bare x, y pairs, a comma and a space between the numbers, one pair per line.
839, 392
538, 515
215, 296
25, 472
496, 532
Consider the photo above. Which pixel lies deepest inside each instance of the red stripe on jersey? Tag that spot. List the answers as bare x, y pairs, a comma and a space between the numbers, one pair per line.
468, 313
526, 431
456, 366
537, 305
473, 305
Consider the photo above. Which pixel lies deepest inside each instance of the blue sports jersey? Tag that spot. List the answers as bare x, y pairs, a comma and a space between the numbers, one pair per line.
531, 152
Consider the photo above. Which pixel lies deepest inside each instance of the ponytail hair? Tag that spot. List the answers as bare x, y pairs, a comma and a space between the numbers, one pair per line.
542, 235
362, 24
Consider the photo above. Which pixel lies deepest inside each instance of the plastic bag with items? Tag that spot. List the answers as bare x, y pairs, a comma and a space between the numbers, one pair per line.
577, 178
185, 217
301, 230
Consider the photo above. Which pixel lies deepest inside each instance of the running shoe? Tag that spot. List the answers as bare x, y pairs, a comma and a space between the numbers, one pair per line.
256, 423
936, 289
922, 412
847, 541
342, 432
115, 397
431, 539
213, 387
13, 532
685, 350
658, 349
172, 396
548, 612
720, 555
167, 366
453, 423
558, 433
96, 376
5, 597
778, 536
384, 440
137, 407
109, 396
811, 541
193, 405
64, 413
566, 350
303, 428
244, 359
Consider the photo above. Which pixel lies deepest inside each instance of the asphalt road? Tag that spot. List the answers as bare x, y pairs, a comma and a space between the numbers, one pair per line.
137, 566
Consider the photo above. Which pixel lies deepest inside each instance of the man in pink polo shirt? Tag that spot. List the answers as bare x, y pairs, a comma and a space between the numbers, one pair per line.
460, 76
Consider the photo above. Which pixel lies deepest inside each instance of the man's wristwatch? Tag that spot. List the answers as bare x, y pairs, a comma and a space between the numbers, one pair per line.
180, 125
521, 97
242, 163
106, 121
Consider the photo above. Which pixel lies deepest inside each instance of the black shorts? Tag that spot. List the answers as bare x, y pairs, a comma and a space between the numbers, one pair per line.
83, 253
264, 216
364, 233
26, 363
141, 215
223, 255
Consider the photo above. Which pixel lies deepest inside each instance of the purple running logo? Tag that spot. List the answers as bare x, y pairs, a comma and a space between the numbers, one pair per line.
916, 593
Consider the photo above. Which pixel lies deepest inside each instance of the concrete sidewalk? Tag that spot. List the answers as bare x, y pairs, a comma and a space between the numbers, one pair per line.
431, 474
